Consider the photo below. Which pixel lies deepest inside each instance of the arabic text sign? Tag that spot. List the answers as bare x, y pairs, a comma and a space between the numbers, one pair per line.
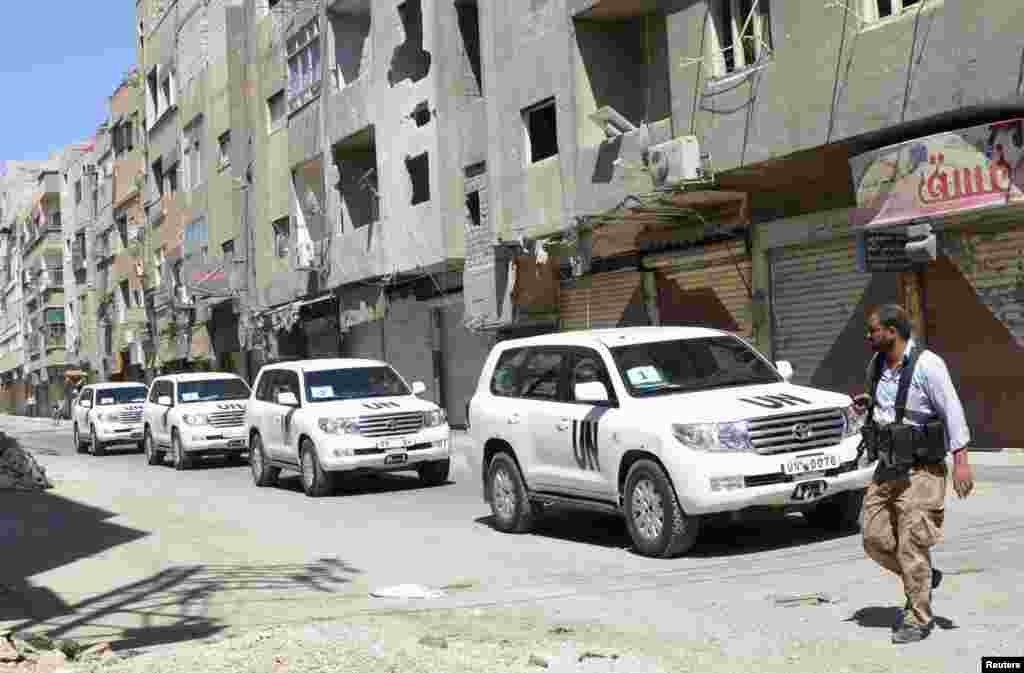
977, 167
886, 252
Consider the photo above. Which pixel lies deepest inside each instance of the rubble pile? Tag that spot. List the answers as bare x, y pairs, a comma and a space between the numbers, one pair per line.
35, 653
18, 468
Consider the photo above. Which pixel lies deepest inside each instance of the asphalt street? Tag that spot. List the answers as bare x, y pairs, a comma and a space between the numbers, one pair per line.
147, 555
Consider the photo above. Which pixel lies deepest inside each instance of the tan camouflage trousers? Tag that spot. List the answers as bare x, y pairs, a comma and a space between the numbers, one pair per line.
902, 522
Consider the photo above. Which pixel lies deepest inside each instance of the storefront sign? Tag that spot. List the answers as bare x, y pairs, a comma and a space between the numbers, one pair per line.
977, 167
883, 251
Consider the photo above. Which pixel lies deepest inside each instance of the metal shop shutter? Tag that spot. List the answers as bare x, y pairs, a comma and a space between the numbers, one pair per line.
603, 300
815, 290
722, 268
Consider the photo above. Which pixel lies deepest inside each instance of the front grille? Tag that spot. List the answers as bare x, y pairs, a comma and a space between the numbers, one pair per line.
390, 425
130, 416
228, 419
776, 434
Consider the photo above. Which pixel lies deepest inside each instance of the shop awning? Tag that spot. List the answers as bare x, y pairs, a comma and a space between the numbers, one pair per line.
661, 220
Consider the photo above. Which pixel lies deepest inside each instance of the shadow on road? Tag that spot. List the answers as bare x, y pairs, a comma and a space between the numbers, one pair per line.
365, 484
756, 533
43, 531
174, 604
877, 617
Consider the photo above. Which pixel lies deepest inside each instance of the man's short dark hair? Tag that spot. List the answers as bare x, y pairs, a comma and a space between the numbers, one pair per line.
894, 316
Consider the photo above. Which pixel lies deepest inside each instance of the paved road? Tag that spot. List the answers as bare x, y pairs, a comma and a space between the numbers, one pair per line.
146, 555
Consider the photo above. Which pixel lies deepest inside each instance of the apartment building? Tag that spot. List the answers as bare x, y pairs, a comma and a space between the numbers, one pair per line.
18, 181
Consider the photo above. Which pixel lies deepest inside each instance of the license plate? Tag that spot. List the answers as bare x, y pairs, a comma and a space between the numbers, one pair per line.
391, 444
236, 442
812, 463
395, 458
809, 490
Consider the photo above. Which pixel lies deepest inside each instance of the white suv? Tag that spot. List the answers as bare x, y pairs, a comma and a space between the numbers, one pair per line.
326, 417
106, 414
193, 415
663, 425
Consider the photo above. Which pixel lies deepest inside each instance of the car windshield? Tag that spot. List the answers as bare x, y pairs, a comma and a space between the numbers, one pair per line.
108, 396
212, 390
686, 365
354, 383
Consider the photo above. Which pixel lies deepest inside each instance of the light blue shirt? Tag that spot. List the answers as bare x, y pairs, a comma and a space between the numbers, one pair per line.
931, 394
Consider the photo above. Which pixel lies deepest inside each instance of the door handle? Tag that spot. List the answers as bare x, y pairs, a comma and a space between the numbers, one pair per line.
513, 419
563, 424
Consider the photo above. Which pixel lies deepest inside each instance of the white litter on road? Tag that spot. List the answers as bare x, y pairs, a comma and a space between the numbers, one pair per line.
407, 591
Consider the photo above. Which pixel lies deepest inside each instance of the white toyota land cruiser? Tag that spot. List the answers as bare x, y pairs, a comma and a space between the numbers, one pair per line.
194, 415
327, 417
106, 414
663, 425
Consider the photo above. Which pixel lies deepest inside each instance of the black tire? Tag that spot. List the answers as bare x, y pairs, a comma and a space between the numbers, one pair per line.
95, 445
659, 534
315, 482
510, 503
435, 472
841, 512
154, 456
182, 461
77, 439
262, 474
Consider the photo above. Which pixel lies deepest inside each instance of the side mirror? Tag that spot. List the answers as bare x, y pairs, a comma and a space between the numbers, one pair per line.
85, 403
785, 369
593, 391
164, 400
418, 388
288, 399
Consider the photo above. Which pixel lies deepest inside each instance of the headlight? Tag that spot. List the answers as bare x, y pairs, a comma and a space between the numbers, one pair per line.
715, 437
339, 426
195, 419
852, 421
432, 419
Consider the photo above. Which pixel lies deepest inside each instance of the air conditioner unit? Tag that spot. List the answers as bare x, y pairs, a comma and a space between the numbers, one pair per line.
675, 161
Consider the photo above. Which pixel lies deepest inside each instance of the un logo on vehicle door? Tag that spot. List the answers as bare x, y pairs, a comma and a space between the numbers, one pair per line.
802, 431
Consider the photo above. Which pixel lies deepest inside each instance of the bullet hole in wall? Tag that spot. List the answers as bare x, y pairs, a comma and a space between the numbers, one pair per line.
421, 114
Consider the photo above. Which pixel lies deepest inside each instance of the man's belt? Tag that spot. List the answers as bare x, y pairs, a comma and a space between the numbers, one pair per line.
902, 444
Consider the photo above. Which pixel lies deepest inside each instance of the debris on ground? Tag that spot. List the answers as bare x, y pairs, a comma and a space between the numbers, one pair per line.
407, 591
19, 470
37, 653
804, 599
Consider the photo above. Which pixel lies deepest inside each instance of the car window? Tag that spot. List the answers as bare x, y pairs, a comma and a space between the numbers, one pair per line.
503, 381
154, 391
354, 383
684, 365
212, 390
540, 377
587, 367
263, 387
109, 396
85, 396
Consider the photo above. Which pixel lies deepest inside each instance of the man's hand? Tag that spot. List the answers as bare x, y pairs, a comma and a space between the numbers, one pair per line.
963, 481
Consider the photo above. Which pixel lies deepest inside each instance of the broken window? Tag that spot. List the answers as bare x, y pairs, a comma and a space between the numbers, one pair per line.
410, 60
876, 10
275, 111
473, 207
282, 233
469, 29
227, 248
303, 53
626, 75
352, 46
224, 144
741, 34
421, 114
356, 160
419, 175
541, 130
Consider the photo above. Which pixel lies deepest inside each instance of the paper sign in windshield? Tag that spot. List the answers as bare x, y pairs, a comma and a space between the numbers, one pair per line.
189, 397
321, 392
646, 375
106, 400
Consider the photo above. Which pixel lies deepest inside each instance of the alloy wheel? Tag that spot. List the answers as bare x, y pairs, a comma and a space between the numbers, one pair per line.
648, 510
503, 493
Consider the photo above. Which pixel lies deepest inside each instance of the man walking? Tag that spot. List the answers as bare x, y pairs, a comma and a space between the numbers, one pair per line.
916, 417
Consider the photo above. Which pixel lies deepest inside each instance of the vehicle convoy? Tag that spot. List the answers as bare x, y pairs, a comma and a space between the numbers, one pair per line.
666, 426
194, 415
107, 414
328, 417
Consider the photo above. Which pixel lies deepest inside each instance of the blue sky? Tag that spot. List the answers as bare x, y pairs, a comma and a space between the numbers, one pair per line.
59, 63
